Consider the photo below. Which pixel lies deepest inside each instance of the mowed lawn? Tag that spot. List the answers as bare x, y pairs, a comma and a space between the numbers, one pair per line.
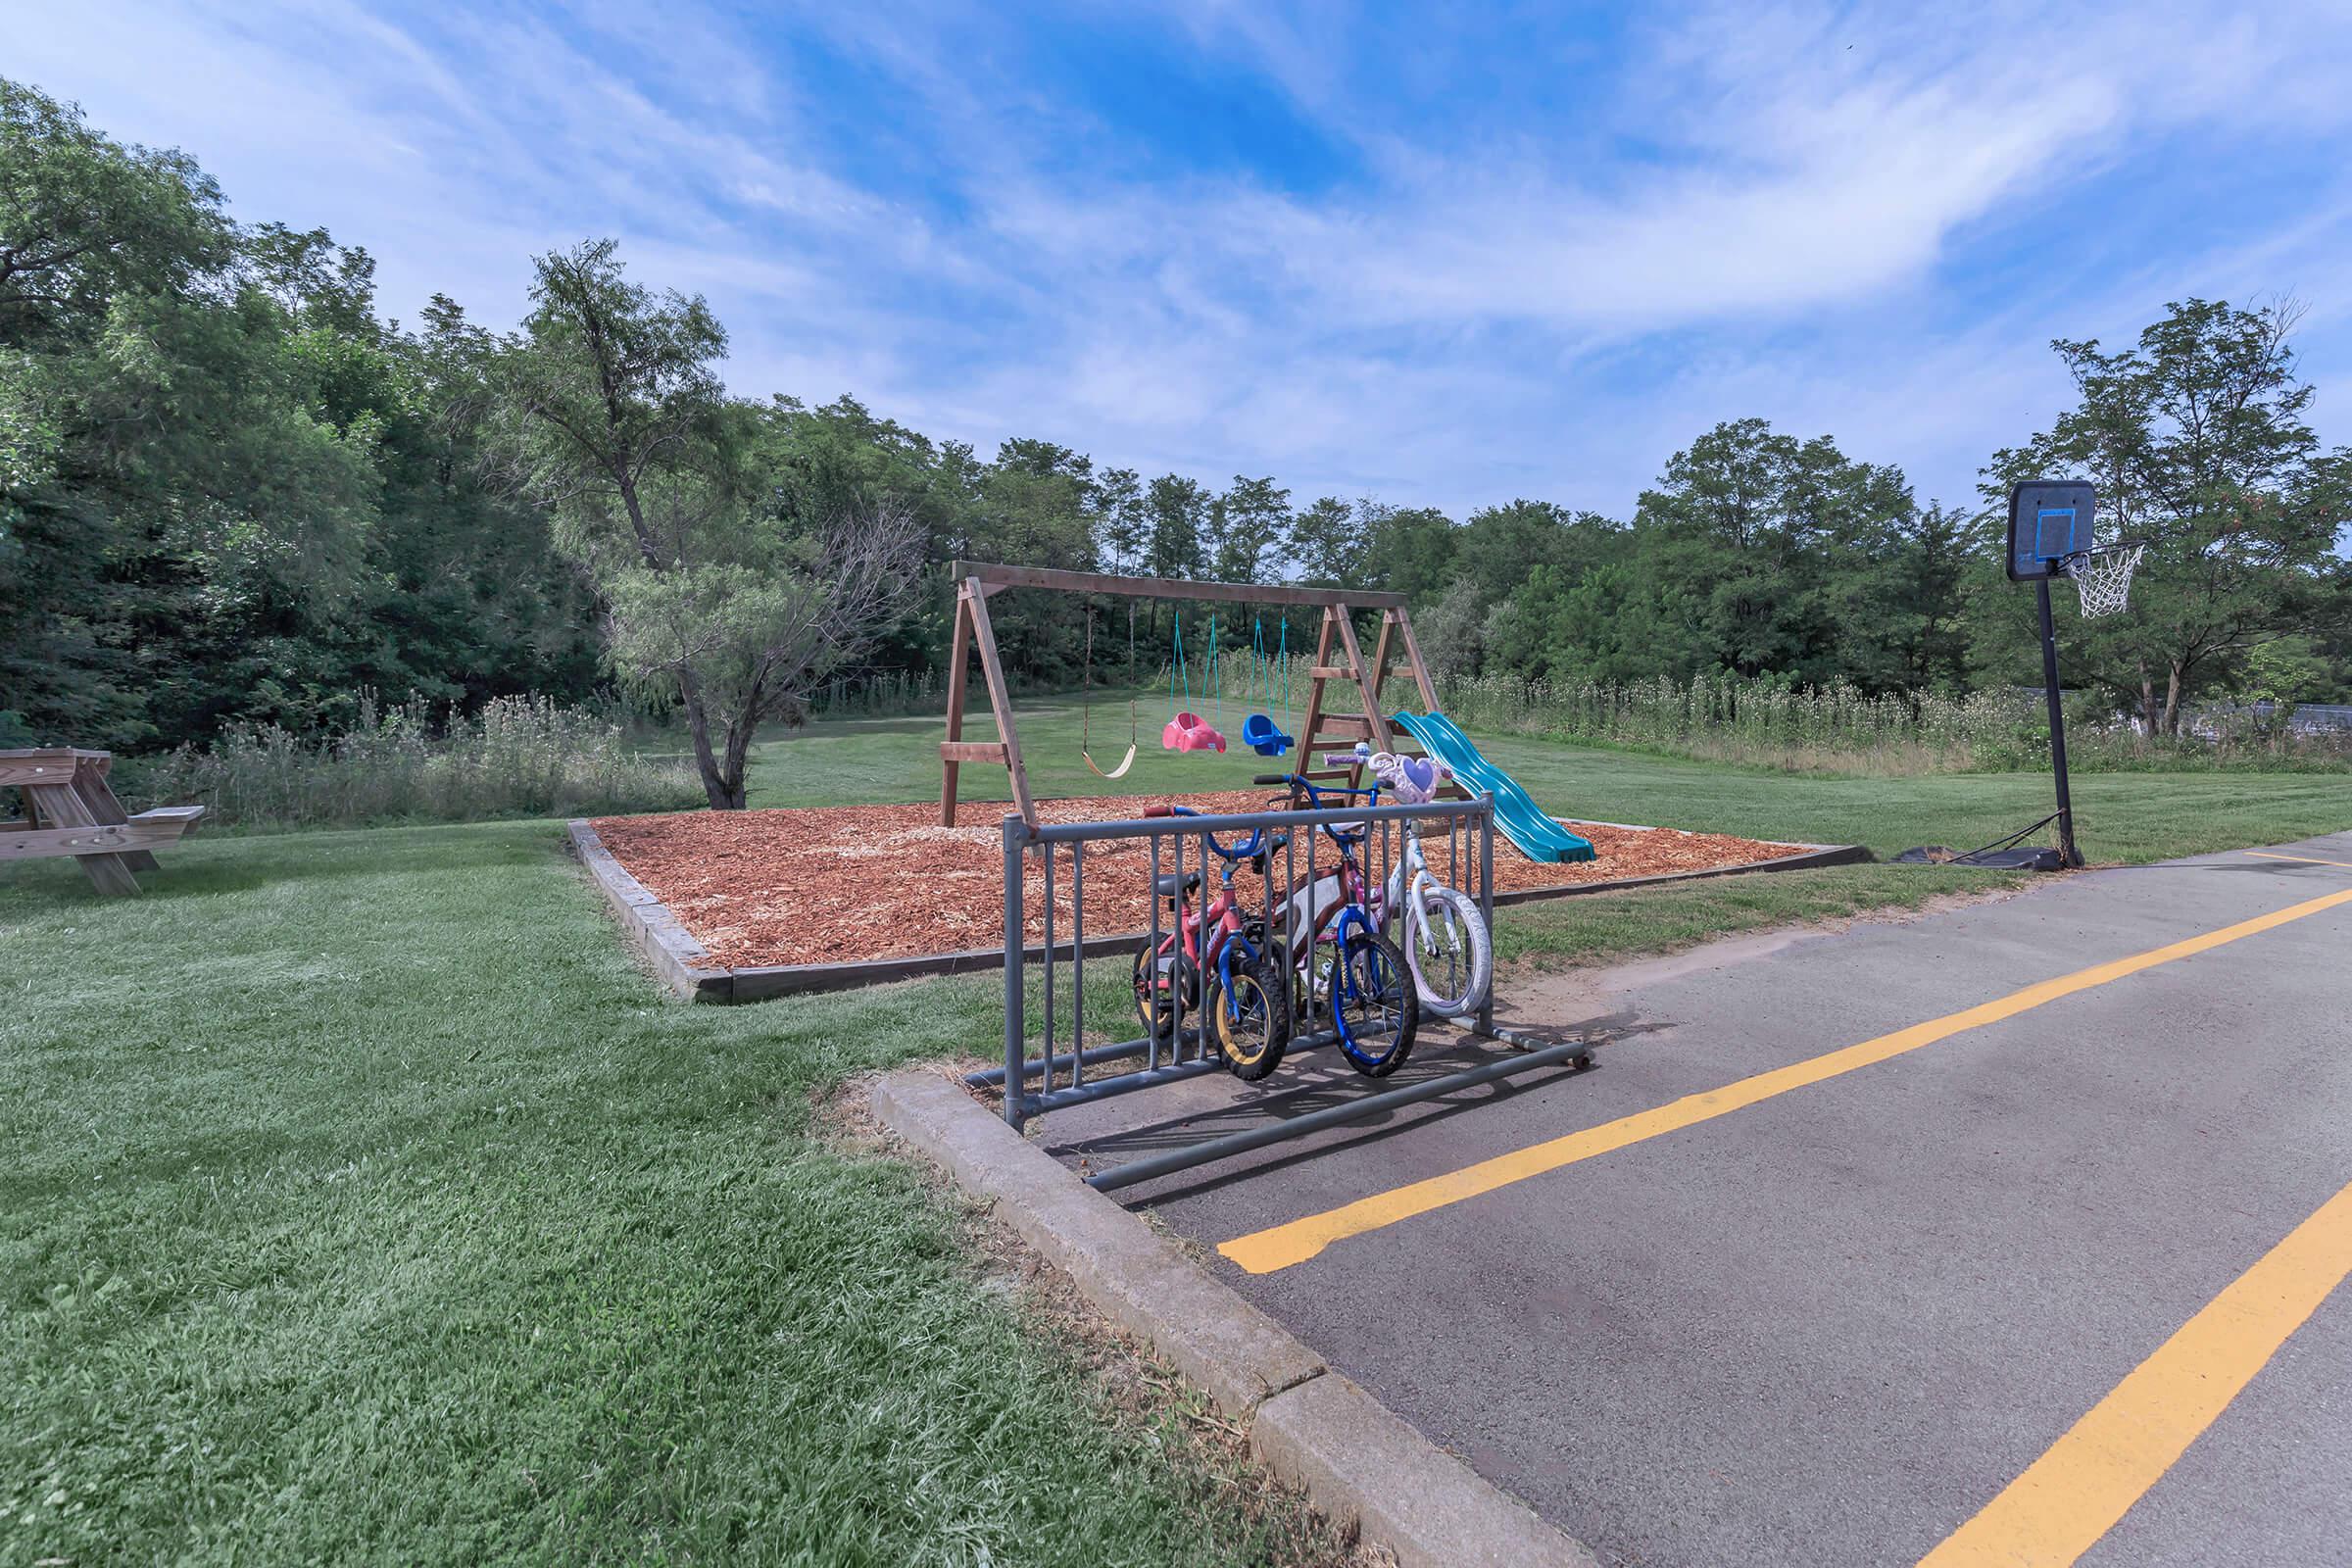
362, 1203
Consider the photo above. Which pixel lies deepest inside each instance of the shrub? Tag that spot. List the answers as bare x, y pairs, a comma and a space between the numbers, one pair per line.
522, 757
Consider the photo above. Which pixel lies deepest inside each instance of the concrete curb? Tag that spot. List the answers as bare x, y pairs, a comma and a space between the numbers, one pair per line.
1358, 1460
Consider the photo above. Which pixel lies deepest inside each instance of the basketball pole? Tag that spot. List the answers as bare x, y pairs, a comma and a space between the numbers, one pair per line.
2067, 856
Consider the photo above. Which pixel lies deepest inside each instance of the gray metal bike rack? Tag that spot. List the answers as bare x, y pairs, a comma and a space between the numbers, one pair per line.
1060, 1066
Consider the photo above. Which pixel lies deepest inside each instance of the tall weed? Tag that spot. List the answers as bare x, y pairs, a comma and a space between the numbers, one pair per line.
1841, 729
522, 757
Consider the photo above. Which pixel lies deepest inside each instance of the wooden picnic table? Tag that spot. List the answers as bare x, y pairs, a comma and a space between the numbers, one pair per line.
69, 808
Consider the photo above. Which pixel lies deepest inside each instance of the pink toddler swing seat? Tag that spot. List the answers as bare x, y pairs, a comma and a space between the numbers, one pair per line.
1189, 732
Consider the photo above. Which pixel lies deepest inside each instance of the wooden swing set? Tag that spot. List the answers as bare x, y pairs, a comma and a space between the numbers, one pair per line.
1325, 729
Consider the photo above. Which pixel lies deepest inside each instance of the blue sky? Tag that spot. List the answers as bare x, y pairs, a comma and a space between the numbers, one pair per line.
1446, 255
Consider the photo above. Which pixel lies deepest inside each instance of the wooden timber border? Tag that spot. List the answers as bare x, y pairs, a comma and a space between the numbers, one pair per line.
673, 953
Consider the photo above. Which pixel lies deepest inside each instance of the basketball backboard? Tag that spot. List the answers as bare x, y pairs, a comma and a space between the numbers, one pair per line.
2049, 520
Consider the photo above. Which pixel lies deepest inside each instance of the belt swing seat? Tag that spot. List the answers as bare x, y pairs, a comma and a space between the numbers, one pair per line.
1086, 712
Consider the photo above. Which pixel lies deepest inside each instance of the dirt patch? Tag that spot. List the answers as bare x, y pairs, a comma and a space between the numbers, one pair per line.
837, 884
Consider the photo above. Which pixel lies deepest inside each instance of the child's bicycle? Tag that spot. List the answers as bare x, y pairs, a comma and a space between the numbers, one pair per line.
1248, 1012
1361, 980
1446, 941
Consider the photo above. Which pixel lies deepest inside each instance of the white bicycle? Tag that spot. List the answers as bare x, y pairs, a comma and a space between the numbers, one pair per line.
1446, 941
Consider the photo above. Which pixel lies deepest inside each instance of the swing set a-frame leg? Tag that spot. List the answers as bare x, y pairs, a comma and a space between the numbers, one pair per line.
959, 675
973, 634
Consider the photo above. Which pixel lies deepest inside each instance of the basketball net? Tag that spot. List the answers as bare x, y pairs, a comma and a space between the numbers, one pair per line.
2103, 578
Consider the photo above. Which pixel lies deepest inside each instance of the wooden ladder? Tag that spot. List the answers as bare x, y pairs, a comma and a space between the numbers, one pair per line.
1329, 730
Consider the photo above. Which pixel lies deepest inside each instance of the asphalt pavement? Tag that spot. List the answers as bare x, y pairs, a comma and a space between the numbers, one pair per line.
1831, 1325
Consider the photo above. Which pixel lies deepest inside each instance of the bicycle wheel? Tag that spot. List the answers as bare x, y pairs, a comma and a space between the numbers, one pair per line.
1451, 955
1252, 1022
1160, 980
1373, 1007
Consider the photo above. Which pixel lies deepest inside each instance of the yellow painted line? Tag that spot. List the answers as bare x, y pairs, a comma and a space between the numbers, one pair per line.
1282, 1245
2073, 1495
2306, 860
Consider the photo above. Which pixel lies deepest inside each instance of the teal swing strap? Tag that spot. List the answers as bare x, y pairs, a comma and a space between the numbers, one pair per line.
1283, 656
1177, 668
1211, 691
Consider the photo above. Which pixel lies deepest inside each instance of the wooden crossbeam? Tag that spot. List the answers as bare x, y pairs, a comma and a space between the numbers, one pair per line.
994, 578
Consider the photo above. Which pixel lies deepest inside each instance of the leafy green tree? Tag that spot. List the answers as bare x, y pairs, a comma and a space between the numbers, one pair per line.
176, 521
2196, 439
1790, 555
1407, 549
1249, 523
1452, 632
719, 588
1178, 512
1124, 527
1038, 508
1328, 542
841, 458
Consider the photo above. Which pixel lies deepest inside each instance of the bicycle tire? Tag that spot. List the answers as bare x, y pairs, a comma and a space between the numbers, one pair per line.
1253, 1044
1161, 982
1450, 951
1375, 1009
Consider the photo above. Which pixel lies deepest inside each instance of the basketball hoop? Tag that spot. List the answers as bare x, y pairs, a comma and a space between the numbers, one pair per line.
2103, 578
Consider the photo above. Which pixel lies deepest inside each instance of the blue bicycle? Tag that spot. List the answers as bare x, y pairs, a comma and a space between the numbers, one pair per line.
1341, 963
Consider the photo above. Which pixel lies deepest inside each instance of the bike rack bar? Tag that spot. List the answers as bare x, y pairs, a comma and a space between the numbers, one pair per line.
1145, 1078
1215, 1148
1095, 1055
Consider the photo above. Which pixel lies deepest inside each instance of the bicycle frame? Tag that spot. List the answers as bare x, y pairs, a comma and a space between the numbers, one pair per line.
1221, 916
1325, 909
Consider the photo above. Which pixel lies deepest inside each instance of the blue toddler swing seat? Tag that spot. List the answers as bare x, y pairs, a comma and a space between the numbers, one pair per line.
1260, 736
1258, 730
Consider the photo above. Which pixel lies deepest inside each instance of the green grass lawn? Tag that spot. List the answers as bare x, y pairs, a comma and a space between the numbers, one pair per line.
362, 1203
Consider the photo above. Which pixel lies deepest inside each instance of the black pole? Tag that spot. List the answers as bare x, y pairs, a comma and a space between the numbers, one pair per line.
2067, 853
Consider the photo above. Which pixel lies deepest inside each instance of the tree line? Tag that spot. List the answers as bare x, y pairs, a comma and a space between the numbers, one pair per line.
233, 493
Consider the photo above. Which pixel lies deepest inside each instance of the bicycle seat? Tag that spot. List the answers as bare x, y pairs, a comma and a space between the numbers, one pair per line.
1167, 887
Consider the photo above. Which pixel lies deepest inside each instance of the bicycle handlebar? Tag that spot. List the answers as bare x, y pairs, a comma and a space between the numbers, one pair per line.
1253, 850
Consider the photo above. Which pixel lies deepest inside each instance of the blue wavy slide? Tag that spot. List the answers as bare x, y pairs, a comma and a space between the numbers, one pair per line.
1516, 813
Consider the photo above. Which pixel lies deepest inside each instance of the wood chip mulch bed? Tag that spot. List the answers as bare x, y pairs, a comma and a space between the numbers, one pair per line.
837, 884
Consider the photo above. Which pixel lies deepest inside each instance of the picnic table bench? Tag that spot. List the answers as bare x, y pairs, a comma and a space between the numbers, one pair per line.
69, 808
